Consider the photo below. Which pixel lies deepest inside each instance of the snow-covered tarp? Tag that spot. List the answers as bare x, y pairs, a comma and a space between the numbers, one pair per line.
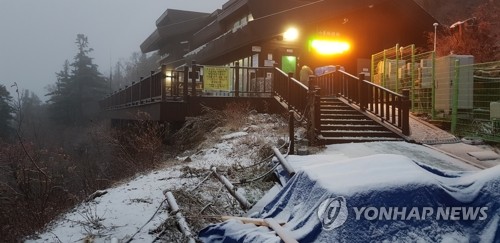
376, 198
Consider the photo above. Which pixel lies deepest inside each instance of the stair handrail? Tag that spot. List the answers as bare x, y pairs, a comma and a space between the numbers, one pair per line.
291, 91
392, 108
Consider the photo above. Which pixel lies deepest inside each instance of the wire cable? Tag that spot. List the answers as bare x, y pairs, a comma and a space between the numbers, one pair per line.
288, 10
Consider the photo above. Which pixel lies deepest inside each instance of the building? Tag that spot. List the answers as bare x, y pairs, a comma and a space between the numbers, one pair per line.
256, 33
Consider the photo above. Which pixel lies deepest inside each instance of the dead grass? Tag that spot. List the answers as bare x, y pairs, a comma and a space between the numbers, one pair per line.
198, 129
202, 198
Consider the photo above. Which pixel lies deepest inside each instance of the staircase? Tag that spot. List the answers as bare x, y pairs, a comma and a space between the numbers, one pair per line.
340, 123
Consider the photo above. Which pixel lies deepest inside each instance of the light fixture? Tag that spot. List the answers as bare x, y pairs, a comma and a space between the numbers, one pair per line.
168, 78
291, 34
330, 47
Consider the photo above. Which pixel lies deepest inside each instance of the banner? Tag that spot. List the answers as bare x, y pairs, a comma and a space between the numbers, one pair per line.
216, 78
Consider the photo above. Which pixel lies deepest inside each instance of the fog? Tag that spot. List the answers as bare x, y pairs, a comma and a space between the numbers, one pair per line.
36, 37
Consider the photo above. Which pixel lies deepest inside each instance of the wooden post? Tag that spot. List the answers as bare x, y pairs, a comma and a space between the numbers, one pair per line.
237, 79
163, 81
151, 85
317, 111
283, 233
180, 219
362, 96
283, 162
173, 82
405, 126
231, 189
194, 76
186, 82
140, 91
291, 131
132, 92
311, 83
289, 91
337, 82
247, 220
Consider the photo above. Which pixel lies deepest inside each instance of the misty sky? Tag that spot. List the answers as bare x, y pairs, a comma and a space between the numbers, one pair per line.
37, 36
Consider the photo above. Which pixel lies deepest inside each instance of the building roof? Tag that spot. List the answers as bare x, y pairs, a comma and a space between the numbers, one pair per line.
210, 35
271, 19
175, 24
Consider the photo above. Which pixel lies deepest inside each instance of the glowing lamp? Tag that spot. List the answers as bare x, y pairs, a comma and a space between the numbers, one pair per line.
330, 47
291, 34
168, 77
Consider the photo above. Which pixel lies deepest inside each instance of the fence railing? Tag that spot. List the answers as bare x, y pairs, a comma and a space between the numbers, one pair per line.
193, 80
389, 106
475, 101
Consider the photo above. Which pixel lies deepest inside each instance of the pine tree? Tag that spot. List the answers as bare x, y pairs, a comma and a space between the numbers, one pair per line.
74, 99
5, 113
60, 100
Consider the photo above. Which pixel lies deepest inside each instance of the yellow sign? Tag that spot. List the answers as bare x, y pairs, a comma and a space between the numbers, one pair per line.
216, 78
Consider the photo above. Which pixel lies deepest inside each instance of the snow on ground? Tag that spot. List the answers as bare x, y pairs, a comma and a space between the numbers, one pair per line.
138, 206
464, 149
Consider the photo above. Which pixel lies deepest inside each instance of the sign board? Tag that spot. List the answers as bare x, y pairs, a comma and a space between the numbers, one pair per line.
268, 63
216, 78
256, 48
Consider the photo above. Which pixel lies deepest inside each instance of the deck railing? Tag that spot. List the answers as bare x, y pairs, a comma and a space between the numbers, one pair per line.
187, 81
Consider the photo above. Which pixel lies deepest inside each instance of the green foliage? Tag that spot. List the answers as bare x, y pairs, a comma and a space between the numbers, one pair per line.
5, 113
79, 87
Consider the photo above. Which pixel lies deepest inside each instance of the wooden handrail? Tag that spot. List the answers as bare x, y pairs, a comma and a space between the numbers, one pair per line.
392, 108
291, 91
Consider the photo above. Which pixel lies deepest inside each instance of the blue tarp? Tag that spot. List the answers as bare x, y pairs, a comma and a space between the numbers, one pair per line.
374, 199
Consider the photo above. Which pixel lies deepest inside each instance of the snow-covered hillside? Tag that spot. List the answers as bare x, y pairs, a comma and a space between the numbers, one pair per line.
136, 211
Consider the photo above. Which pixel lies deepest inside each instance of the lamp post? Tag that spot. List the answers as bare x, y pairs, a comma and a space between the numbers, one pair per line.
435, 35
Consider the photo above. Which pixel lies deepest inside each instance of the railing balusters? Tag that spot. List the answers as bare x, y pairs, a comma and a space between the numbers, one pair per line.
383, 103
370, 97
